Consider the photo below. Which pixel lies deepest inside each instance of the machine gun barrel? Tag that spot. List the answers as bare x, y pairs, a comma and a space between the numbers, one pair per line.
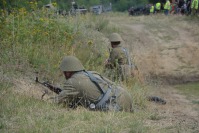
49, 86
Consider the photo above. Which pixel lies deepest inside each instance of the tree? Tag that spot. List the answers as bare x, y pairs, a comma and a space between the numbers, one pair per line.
118, 5
123, 5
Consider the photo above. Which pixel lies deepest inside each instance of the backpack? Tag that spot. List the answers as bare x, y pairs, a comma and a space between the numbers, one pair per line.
127, 69
106, 101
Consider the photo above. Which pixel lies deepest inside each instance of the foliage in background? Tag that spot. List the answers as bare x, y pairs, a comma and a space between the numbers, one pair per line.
118, 5
124, 5
40, 39
155, 1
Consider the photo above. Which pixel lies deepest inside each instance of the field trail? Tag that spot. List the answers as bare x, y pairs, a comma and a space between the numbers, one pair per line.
165, 54
178, 115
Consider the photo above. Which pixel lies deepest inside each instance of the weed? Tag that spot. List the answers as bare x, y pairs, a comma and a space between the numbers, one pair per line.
195, 102
190, 89
36, 42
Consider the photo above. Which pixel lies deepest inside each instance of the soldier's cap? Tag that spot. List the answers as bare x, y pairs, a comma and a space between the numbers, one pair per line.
115, 37
71, 63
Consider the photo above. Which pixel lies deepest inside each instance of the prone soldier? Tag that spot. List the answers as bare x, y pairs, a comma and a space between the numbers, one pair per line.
91, 90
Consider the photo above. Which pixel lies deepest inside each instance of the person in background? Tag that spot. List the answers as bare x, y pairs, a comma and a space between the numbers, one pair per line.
157, 7
152, 9
167, 8
188, 7
194, 7
180, 6
119, 63
173, 8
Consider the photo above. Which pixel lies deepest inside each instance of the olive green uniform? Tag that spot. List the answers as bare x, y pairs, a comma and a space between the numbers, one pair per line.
118, 62
79, 86
118, 56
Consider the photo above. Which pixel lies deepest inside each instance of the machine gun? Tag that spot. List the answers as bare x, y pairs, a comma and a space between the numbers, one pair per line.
157, 99
49, 86
73, 104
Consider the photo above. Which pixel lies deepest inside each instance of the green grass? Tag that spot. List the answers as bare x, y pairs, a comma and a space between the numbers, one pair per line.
39, 42
195, 102
36, 43
19, 113
189, 89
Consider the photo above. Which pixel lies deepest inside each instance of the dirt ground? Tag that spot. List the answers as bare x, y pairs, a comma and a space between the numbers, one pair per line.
178, 115
165, 54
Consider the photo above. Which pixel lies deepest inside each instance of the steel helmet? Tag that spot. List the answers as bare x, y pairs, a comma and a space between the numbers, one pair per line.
115, 37
71, 63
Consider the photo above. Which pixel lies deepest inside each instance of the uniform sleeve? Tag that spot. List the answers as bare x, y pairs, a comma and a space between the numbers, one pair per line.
67, 94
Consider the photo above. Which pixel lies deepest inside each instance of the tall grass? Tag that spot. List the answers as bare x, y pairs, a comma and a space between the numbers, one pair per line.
39, 41
19, 113
36, 42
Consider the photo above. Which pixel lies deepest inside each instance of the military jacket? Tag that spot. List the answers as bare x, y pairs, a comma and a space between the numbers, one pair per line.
79, 86
120, 63
118, 56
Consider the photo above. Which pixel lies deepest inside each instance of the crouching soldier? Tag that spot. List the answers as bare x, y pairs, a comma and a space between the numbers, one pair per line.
119, 63
90, 90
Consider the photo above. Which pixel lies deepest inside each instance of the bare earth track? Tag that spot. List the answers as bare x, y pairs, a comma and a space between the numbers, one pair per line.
166, 53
